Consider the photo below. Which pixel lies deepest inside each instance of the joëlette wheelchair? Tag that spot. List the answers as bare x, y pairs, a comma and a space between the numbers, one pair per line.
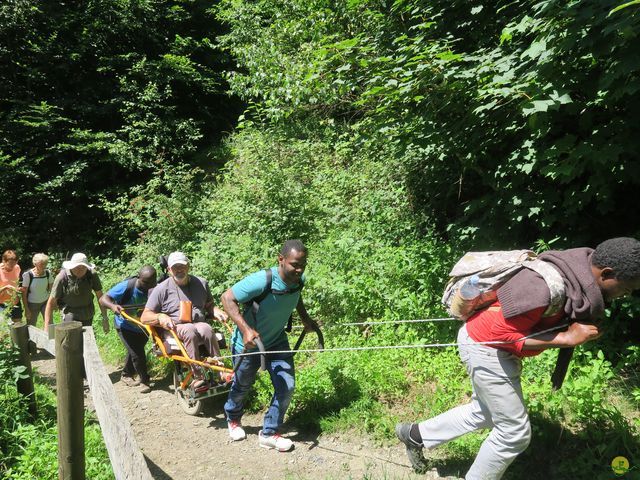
217, 378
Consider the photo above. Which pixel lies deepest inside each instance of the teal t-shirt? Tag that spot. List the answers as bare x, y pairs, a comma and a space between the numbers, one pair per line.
274, 311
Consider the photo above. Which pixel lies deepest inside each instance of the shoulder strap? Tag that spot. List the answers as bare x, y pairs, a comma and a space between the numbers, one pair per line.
128, 291
287, 290
64, 276
30, 275
254, 302
554, 281
64, 280
267, 289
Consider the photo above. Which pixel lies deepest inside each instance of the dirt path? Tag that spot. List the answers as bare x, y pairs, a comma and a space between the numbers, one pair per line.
179, 446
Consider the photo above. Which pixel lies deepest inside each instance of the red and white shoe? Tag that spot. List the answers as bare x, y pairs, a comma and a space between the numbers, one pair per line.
236, 432
275, 441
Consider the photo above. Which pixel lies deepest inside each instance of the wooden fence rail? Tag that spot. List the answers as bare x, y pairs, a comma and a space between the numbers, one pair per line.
125, 455
42, 340
127, 460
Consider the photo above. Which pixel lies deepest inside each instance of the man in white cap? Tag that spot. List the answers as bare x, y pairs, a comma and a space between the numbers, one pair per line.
182, 303
72, 292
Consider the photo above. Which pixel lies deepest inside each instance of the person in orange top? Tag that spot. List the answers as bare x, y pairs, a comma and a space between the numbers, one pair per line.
9, 290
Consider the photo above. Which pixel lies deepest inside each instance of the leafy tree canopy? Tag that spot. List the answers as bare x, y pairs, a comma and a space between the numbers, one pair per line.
507, 117
95, 97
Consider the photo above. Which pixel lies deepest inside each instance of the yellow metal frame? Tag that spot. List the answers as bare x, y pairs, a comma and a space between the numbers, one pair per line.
184, 357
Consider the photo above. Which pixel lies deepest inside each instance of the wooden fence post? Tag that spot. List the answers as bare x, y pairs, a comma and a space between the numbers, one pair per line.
20, 337
69, 368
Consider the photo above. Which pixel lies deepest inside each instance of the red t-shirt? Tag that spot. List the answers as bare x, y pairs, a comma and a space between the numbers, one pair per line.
489, 326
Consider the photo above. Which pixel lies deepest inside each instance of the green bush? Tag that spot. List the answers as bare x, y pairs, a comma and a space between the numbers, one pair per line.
28, 447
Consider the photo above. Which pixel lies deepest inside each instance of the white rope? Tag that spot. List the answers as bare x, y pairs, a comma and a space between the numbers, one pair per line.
386, 322
388, 347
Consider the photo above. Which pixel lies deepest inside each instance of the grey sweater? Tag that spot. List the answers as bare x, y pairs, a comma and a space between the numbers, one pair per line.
527, 290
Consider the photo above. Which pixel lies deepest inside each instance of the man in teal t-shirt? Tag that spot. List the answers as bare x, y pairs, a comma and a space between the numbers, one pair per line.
267, 308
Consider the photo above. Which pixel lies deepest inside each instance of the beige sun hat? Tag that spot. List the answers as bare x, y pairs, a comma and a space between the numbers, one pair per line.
76, 260
177, 258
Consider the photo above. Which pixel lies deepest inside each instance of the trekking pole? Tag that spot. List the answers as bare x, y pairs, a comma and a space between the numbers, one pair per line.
263, 361
316, 329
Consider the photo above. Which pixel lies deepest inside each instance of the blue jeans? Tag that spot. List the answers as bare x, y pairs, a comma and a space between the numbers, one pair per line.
282, 373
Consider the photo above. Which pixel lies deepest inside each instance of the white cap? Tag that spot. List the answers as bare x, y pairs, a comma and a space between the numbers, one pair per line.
78, 259
177, 258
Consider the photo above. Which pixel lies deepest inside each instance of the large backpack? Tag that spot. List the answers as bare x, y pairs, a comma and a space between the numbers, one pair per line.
254, 303
492, 270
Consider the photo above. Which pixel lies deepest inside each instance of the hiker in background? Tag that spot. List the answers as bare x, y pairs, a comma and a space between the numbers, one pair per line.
9, 289
269, 298
36, 285
72, 292
132, 291
182, 303
591, 279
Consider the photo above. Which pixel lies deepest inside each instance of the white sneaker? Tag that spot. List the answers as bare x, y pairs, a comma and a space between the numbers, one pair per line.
236, 432
281, 444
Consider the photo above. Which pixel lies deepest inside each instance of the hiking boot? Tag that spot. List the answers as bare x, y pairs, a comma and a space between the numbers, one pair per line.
129, 381
414, 450
236, 432
144, 388
275, 441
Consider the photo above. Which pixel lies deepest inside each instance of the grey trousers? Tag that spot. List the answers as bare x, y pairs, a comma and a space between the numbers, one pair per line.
496, 403
194, 334
36, 309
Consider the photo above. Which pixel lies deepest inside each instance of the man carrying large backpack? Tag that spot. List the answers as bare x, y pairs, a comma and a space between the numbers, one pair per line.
591, 279
269, 298
132, 291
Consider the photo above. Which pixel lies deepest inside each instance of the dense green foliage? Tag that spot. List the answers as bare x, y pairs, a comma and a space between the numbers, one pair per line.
96, 97
509, 116
389, 136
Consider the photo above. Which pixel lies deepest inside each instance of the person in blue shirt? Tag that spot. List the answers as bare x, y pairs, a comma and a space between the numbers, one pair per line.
267, 309
134, 291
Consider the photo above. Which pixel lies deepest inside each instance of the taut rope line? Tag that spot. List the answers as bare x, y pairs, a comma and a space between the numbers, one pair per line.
386, 322
388, 347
